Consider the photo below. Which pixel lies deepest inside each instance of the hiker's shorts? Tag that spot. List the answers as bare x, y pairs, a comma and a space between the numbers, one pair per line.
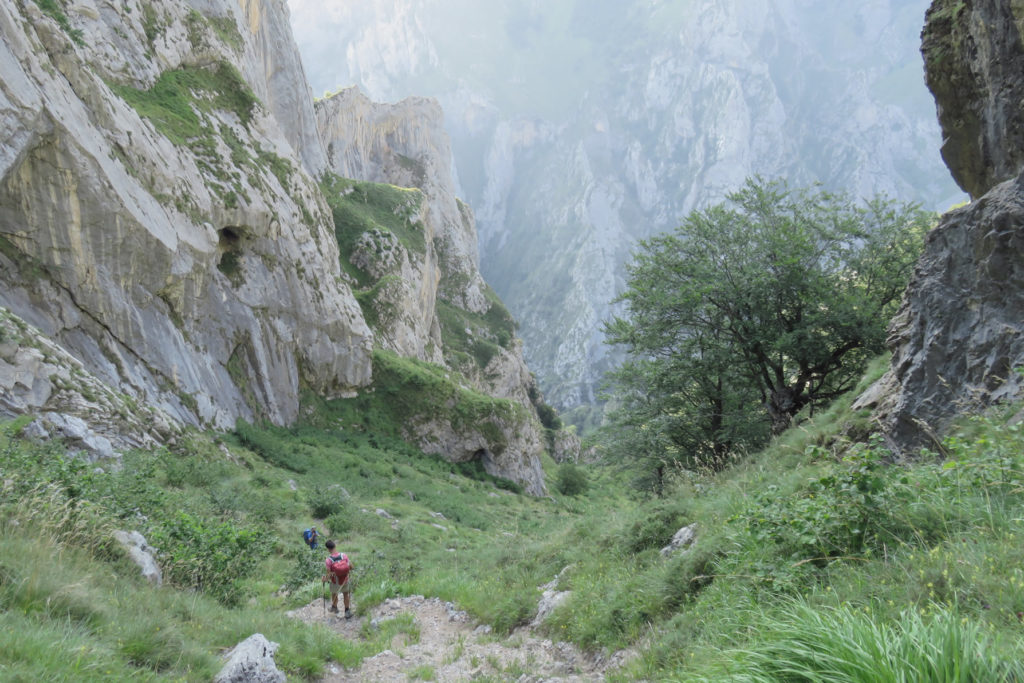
342, 588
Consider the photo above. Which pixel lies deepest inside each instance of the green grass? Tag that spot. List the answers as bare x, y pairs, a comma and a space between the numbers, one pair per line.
53, 10
363, 207
814, 557
172, 101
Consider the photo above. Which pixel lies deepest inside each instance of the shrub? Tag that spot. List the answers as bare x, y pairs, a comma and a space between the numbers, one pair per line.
213, 558
572, 480
324, 503
656, 526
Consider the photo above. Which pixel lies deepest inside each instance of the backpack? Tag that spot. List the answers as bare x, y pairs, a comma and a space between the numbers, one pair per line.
308, 534
338, 566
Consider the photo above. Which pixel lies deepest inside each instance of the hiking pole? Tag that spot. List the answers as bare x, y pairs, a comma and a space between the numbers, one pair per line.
323, 591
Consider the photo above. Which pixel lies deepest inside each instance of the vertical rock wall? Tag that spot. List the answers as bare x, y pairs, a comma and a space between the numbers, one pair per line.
958, 339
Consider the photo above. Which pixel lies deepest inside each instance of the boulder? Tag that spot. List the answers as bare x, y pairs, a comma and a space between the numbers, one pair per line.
251, 661
141, 553
682, 540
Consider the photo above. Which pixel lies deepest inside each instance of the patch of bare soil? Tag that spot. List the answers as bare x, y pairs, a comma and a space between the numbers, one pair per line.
454, 648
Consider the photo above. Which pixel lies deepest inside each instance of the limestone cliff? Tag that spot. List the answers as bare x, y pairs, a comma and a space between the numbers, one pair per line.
419, 279
163, 223
154, 219
958, 339
974, 59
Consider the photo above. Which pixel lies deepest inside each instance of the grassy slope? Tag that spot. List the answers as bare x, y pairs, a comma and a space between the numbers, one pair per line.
801, 549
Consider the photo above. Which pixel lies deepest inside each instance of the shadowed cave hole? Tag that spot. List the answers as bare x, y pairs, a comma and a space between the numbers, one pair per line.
228, 245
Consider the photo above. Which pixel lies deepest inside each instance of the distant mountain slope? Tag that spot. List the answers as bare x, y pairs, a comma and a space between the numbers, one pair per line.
579, 127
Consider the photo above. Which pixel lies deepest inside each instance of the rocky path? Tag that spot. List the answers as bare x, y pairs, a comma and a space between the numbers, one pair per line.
452, 647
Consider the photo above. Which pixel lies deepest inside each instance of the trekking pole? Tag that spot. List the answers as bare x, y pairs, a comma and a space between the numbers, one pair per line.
323, 591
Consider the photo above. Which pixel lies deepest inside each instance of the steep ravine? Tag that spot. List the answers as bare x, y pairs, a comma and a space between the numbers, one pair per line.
582, 127
167, 219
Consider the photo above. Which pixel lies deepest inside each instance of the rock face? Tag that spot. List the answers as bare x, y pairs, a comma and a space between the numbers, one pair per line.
974, 59
570, 150
959, 336
415, 277
144, 238
165, 239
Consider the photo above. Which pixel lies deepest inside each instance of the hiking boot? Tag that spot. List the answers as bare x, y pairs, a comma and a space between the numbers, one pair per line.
348, 613
333, 609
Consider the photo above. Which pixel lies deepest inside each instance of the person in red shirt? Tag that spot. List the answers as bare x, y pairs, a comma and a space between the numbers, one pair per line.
337, 575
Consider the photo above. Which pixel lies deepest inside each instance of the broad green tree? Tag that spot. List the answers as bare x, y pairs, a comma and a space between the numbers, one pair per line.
754, 309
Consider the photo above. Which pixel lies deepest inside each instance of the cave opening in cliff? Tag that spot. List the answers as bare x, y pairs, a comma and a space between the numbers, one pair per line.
230, 239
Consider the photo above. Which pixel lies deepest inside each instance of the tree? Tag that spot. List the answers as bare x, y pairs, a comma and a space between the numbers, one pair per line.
756, 308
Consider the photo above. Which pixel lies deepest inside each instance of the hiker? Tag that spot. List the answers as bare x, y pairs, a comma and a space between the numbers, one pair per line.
337, 575
311, 538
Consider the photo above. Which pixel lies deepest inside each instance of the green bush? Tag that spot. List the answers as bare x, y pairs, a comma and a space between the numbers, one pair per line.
276, 450
324, 502
572, 480
657, 525
211, 557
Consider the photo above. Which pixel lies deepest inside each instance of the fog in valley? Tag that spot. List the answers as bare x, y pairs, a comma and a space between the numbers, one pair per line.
580, 127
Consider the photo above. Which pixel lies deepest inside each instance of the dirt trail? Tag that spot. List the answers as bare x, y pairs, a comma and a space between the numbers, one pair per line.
454, 648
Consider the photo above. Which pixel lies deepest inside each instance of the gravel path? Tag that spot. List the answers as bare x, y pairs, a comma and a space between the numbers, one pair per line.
454, 648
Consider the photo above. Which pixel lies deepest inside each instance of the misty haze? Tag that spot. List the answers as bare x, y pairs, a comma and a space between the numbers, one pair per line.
579, 127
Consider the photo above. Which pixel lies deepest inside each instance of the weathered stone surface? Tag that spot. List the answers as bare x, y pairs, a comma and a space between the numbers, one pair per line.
251, 661
515, 456
142, 555
405, 144
567, 447
974, 65
959, 335
184, 275
682, 540
39, 377
188, 262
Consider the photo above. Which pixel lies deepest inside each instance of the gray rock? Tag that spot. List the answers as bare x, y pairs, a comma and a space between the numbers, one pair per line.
251, 661
974, 65
682, 540
141, 554
164, 268
78, 435
959, 334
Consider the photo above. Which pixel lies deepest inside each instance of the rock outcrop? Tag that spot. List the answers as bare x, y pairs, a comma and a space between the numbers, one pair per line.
154, 218
424, 276
974, 64
958, 338
165, 233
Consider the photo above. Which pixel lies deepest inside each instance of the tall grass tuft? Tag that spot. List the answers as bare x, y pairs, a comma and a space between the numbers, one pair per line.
847, 645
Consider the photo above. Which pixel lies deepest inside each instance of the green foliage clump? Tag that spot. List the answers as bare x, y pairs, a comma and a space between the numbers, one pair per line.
272, 447
656, 525
214, 558
571, 480
172, 100
838, 514
324, 503
749, 312
407, 391
359, 207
